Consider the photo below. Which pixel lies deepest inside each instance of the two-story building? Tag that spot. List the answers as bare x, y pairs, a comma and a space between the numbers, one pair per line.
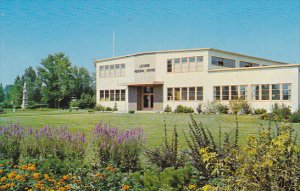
153, 80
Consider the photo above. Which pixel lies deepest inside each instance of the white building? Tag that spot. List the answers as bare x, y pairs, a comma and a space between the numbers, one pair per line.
153, 80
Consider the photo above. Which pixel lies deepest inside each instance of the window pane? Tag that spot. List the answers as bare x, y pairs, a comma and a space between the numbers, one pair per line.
255, 92
170, 93
106, 71
225, 92
217, 93
117, 95
101, 71
192, 59
192, 93
183, 93
148, 90
106, 95
223, 62
177, 94
112, 95
265, 92
199, 58
234, 92
184, 65
112, 70
192, 63
122, 95
286, 91
118, 71
169, 66
243, 92
122, 70
248, 64
199, 93
101, 95
276, 92
177, 66
199, 64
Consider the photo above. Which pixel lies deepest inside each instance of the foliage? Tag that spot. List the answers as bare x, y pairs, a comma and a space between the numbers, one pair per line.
281, 112
108, 109
210, 107
2, 95
122, 148
295, 117
167, 154
99, 108
199, 108
260, 111
183, 109
115, 107
38, 105
168, 109
240, 107
131, 111
222, 108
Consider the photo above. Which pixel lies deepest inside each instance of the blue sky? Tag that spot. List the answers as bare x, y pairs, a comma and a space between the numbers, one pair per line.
31, 30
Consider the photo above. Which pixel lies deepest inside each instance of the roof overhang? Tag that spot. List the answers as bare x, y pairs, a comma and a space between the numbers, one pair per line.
148, 83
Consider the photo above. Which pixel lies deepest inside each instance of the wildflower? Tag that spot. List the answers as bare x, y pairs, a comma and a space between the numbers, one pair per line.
12, 184
66, 177
3, 179
36, 175
125, 187
7, 162
11, 176
192, 187
207, 187
15, 166
1, 171
18, 177
46, 176
1, 165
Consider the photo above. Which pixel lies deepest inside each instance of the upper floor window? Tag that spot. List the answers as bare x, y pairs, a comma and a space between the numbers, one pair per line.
223, 62
248, 64
185, 64
115, 70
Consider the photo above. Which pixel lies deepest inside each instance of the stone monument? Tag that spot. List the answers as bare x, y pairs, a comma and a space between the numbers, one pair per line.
25, 97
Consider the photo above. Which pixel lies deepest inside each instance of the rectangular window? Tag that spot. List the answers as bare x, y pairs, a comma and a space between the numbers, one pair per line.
117, 95
199, 63
118, 70
192, 93
169, 66
225, 92
102, 95
255, 92
112, 70
106, 71
217, 93
286, 91
243, 92
234, 92
275, 91
122, 95
177, 94
183, 93
112, 95
177, 66
184, 65
247, 64
122, 73
265, 92
170, 94
199, 93
101, 72
223, 62
192, 63
106, 92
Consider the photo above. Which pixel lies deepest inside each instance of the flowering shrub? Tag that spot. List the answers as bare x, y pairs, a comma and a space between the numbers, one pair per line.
122, 148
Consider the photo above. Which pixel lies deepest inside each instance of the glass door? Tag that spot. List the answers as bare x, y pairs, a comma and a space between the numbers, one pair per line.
148, 98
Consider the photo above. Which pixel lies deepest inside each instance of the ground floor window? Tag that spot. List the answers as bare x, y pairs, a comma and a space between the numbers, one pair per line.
230, 92
185, 94
170, 94
286, 91
271, 92
177, 94
112, 95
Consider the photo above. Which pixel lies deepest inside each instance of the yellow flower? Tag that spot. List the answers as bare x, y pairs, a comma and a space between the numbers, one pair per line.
30, 190
66, 177
11, 176
3, 179
7, 162
18, 177
16, 166
192, 187
207, 188
36, 175
12, 184
46, 176
1, 171
125, 187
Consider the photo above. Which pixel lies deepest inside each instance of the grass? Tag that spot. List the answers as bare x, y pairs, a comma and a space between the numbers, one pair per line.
152, 123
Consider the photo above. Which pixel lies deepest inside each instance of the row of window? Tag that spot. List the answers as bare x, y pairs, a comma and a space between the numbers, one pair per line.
116, 70
259, 92
185, 93
224, 62
185, 64
112, 95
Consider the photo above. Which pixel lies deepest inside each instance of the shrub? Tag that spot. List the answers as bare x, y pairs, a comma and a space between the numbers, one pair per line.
91, 111
115, 107
183, 109
131, 111
122, 148
295, 117
2, 111
108, 109
281, 112
222, 108
199, 108
40, 105
240, 107
99, 108
210, 107
260, 111
168, 109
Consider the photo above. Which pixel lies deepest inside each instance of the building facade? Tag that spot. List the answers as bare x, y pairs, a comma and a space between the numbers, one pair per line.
153, 80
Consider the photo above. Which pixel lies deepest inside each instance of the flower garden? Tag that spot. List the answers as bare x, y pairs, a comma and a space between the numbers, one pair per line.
108, 158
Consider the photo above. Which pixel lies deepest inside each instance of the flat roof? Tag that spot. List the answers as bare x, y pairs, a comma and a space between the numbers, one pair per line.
254, 68
184, 50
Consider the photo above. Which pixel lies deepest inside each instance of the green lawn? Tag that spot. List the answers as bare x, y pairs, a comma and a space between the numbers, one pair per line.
152, 123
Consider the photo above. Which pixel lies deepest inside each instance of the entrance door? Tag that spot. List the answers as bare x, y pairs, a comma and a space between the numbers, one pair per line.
147, 98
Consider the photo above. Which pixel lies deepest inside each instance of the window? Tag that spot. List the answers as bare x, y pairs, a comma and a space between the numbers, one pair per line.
169, 66
117, 95
106, 72
192, 62
192, 93
122, 72
101, 72
122, 95
177, 94
101, 95
118, 71
199, 93
177, 67
112, 95
225, 92
217, 93
199, 64
170, 94
112, 71
183, 93
223, 62
255, 92
276, 92
265, 93
106, 94
234, 92
248, 64
184, 65
243, 92
286, 91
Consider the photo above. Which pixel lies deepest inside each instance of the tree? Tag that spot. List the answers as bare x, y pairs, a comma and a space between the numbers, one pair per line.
16, 92
2, 95
33, 85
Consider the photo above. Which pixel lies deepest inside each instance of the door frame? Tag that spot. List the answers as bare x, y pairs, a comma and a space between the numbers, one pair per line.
149, 101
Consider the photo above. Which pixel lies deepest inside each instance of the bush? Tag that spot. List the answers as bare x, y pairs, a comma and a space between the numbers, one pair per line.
91, 111
115, 107
40, 105
210, 107
168, 109
222, 108
183, 109
295, 117
281, 112
108, 109
2, 111
240, 107
131, 111
260, 111
99, 108
199, 108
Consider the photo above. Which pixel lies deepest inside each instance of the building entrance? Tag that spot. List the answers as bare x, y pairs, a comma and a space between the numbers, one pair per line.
147, 98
